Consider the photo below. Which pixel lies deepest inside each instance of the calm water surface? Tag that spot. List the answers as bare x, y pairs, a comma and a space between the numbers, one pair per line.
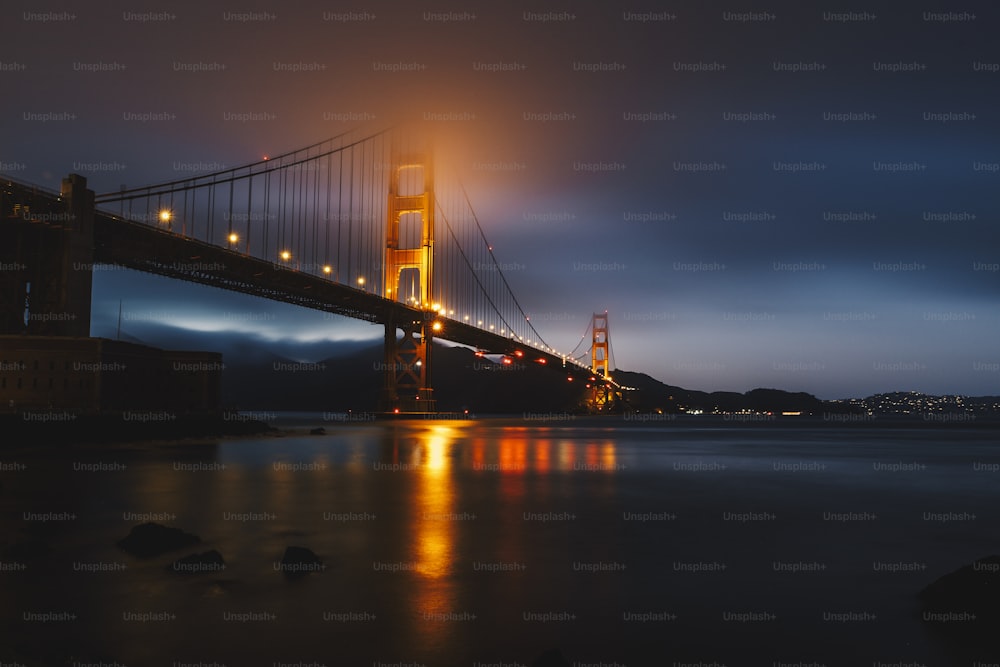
465, 542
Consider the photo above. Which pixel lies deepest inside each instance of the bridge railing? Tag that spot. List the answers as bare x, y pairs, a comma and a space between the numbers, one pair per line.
28, 201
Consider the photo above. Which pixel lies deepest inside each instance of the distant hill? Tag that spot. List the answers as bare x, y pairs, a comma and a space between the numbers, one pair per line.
651, 395
272, 375
461, 381
913, 402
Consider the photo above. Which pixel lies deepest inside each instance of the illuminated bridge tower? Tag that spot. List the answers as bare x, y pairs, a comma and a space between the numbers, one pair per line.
603, 392
407, 373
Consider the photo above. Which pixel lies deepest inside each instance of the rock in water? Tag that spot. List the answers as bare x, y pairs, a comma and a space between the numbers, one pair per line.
972, 588
551, 658
208, 561
299, 561
152, 539
963, 607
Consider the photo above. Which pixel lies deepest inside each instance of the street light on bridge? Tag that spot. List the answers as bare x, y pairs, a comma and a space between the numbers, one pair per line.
285, 255
166, 216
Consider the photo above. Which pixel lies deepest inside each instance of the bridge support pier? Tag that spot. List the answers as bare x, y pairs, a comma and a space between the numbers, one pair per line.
48, 259
406, 386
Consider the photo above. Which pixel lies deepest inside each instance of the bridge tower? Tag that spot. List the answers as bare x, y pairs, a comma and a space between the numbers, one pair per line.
599, 345
603, 395
407, 373
48, 245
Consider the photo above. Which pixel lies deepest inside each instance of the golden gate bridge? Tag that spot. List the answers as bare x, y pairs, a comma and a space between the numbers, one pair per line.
368, 226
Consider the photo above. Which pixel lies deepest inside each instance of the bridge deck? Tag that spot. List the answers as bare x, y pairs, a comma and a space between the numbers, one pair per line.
145, 248
142, 247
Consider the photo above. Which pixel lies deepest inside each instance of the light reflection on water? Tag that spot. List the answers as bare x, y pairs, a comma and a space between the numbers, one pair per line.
433, 531
424, 481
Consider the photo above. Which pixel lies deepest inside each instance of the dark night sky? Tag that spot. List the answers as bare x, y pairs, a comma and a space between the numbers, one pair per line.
841, 236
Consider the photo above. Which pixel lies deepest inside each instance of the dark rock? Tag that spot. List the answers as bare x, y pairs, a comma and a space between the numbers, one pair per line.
299, 561
963, 608
152, 539
319, 430
551, 658
207, 561
972, 588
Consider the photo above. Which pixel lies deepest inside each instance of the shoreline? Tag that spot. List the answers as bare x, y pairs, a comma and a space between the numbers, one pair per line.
68, 429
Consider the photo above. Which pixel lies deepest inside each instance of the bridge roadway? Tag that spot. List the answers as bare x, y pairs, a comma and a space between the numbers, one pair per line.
145, 248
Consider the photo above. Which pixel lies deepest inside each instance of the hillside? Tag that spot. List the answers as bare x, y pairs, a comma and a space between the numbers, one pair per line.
651, 395
353, 381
